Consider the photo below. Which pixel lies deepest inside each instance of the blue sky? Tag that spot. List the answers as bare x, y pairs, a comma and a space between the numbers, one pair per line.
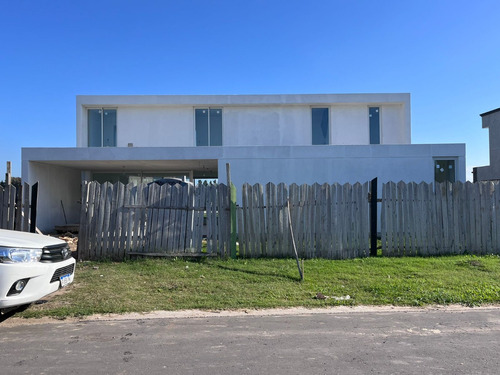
445, 53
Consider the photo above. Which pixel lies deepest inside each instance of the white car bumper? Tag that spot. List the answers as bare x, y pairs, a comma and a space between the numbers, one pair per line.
42, 279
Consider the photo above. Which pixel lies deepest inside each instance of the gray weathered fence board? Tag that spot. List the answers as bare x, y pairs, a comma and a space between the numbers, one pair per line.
441, 219
324, 225
15, 207
330, 221
116, 220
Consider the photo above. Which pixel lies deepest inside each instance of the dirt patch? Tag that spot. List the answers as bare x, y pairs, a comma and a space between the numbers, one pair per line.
194, 314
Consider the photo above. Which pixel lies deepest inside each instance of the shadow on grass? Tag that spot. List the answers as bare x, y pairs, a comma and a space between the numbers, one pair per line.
9, 313
259, 273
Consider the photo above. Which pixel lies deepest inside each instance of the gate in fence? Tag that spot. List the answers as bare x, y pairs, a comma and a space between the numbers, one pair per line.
119, 220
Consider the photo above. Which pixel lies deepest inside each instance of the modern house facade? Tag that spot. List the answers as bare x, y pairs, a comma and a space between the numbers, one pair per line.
265, 138
491, 121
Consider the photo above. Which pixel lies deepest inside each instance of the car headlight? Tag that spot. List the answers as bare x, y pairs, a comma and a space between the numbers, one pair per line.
16, 255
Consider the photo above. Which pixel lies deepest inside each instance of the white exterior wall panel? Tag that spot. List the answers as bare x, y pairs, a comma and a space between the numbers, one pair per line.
59, 170
58, 187
342, 164
266, 126
349, 125
392, 133
155, 127
249, 120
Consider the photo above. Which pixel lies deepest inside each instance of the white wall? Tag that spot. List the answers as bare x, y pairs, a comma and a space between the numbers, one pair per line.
267, 126
56, 184
155, 127
249, 120
342, 164
391, 116
249, 164
349, 124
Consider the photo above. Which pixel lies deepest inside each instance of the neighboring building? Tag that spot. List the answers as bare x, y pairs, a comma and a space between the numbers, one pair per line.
491, 120
278, 138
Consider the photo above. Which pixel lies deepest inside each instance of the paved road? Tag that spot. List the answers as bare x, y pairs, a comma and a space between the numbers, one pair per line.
338, 341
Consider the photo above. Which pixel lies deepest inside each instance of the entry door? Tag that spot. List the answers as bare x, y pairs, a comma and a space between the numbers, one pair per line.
444, 170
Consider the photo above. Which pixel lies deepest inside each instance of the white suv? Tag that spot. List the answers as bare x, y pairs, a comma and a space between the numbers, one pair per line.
32, 266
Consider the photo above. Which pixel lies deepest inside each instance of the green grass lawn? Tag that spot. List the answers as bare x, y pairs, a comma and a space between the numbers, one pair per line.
210, 284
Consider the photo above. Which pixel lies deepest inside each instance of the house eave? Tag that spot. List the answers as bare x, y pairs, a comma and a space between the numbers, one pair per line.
240, 100
490, 112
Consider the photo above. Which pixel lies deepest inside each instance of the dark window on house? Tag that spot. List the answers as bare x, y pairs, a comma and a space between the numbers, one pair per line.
101, 127
320, 126
444, 170
208, 126
374, 115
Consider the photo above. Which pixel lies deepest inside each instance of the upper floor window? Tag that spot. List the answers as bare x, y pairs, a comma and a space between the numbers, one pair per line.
102, 127
374, 114
320, 126
208, 126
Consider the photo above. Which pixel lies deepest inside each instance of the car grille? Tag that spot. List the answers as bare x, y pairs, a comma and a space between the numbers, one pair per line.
62, 271
56, 253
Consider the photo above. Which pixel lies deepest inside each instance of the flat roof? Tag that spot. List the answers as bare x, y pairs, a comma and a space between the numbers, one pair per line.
238, 100
489, 112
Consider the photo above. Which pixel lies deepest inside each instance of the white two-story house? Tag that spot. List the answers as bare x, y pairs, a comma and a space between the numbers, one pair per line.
265, 138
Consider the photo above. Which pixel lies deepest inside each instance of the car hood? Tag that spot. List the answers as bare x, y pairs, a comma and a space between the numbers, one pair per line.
11, 238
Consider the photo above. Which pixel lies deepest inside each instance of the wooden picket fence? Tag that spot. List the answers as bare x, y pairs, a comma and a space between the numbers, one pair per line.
15, 208
328, 221
445, 219
323, 221
120, 220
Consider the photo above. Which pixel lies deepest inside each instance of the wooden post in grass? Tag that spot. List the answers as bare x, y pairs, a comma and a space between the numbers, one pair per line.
232, 212
373, 218
301, 274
